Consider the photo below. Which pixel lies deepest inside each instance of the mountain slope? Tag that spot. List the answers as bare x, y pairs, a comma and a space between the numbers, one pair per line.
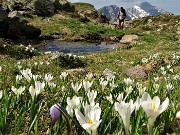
144, 9
137, 11
110, 11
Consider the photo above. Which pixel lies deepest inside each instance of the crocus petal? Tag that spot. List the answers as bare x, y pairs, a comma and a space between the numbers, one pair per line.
69, 110
145, 97
55, 113
164, 105
87, 127
80, 117
156, 101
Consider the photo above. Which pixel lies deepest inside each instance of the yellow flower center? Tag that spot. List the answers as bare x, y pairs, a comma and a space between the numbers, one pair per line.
129, 89
153, 106
141, 89
90, 121
19, 91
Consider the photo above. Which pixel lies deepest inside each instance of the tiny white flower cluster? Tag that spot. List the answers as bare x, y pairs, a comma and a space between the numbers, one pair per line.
176, 56
165, 69
29, 48
151, 57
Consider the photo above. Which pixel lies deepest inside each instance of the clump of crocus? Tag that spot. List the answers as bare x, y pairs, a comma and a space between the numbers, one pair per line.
55, 113
153, 108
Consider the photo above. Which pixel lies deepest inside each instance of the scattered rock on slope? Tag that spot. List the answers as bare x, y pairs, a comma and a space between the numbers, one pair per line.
127, 39
136, 72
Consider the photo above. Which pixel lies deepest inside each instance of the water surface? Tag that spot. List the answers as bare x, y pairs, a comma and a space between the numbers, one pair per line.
76, 48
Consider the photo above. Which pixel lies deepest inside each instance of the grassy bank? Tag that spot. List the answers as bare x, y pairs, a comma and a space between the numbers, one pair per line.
50, 76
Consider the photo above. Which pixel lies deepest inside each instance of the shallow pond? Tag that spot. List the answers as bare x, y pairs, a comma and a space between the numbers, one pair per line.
76, 48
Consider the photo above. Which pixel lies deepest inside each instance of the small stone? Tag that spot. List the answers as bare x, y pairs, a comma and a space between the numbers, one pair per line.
127, 39
136, 72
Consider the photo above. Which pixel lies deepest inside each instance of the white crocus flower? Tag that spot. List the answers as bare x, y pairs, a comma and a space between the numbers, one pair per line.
91, 97
169, 86
76, 87
104, 84
91, 120
41, 62
63, 88
18, 91
125, 110
145, 97
129, 89
19, 66
89, 76
162, 68
120, 97
27, 74
141, 90
73, 103
35, 63
18, 78
168, 66
0, 68
110, 75
48, 77
63, 75
1, 94
156, 79
171, 70
178, 115
47, 63
109, 98
156, 86
113, 85
35, 77
163, 72
153, 108
137, 103
35, 91
51, 84
128, 81
176, 77
27, 48
87, 85
144, 60
101, 80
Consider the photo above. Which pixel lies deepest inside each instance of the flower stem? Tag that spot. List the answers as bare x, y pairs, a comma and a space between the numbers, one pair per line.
150, 129
126, 131
94, 132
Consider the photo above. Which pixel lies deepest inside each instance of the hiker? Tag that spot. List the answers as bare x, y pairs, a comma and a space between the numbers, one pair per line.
121, 16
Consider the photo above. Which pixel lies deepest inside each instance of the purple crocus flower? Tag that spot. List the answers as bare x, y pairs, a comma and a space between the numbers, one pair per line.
55, 113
